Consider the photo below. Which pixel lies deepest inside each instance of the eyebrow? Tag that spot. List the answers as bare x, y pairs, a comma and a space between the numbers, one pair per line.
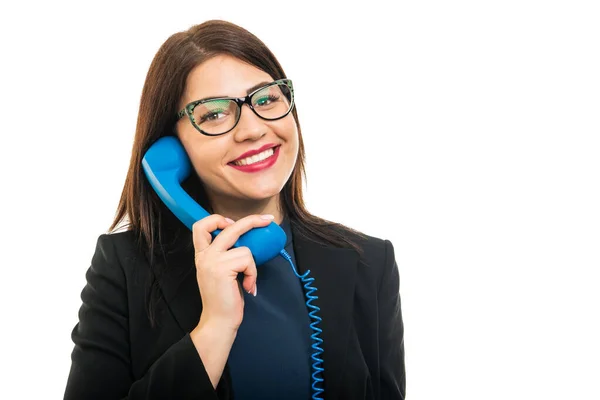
248, 91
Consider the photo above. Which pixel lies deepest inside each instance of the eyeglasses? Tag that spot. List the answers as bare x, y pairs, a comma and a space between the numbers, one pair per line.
214, 117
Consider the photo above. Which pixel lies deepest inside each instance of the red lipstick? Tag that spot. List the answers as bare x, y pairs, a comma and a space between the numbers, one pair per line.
257, 151
258, 166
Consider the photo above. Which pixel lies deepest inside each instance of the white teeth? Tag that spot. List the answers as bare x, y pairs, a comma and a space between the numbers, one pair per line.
256, 158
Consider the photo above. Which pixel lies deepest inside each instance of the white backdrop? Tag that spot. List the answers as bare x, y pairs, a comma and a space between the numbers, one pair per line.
480, 165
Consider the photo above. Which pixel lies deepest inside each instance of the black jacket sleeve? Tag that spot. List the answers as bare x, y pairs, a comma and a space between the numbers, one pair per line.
100, 366
391, 331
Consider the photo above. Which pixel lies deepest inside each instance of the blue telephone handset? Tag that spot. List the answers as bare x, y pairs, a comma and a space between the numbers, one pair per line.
166, 165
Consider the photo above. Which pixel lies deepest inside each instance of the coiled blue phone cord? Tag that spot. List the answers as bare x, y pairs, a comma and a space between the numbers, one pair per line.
317, 341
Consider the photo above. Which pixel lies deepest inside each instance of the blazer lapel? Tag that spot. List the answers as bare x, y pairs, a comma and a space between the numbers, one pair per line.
180, 289
334, 272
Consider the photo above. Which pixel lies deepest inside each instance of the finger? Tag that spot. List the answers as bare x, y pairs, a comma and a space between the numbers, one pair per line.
243, 262
227, 238
201, 230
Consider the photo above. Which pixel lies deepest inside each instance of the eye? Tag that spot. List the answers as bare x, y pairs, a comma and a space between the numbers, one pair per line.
213, 111
266, 100
212, 116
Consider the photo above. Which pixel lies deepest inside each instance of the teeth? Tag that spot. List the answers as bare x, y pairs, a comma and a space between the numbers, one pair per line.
255, 158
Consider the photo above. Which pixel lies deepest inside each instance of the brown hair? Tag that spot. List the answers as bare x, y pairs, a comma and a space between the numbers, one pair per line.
157, 231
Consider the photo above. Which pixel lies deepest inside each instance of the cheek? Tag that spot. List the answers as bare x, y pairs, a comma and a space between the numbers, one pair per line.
206, 160
294, 141
289, 132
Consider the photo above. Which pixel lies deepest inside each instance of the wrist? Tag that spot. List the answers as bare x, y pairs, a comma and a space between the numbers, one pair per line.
213, 343
213, 331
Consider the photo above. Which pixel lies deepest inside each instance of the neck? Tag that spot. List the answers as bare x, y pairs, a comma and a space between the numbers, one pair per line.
239, 208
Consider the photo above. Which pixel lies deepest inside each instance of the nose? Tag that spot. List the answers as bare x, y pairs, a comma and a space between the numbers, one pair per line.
250, 126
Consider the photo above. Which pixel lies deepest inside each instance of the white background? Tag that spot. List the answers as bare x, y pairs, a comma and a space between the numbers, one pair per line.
466, 132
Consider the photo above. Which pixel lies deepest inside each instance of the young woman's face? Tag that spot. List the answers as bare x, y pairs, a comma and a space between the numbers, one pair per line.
213, 157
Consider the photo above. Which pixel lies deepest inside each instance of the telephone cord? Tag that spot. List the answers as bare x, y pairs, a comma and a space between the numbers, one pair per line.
317, 341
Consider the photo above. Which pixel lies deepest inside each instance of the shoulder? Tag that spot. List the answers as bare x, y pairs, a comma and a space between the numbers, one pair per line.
372, 246
117, 251
117, 244
376, 254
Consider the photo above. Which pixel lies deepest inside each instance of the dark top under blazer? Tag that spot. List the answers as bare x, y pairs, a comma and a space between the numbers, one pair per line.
117, 353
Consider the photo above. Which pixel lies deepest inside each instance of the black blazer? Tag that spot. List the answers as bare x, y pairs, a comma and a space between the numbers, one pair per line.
117, 353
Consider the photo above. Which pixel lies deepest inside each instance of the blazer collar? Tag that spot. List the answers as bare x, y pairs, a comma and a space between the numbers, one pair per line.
334, 272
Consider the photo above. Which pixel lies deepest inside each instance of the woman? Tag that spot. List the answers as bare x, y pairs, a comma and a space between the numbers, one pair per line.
163, 313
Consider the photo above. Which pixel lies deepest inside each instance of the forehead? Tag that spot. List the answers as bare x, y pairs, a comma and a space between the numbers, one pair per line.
222, 76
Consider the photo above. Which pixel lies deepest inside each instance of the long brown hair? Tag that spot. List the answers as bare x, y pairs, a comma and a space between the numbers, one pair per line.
140, 210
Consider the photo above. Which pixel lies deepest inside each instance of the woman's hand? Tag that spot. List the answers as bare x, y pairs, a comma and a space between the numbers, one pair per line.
218, 265
217, 268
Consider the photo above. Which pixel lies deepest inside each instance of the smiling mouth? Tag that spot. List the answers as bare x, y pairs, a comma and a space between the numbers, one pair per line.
255, 158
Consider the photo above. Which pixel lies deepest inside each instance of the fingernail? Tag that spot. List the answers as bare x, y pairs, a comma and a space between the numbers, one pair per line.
229, 220
267, 217
255, 290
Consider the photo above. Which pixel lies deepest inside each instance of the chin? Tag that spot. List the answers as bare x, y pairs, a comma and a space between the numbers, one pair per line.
260, 186
262, 194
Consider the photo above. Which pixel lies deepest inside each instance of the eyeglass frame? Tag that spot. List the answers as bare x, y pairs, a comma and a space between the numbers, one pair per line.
240, 101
